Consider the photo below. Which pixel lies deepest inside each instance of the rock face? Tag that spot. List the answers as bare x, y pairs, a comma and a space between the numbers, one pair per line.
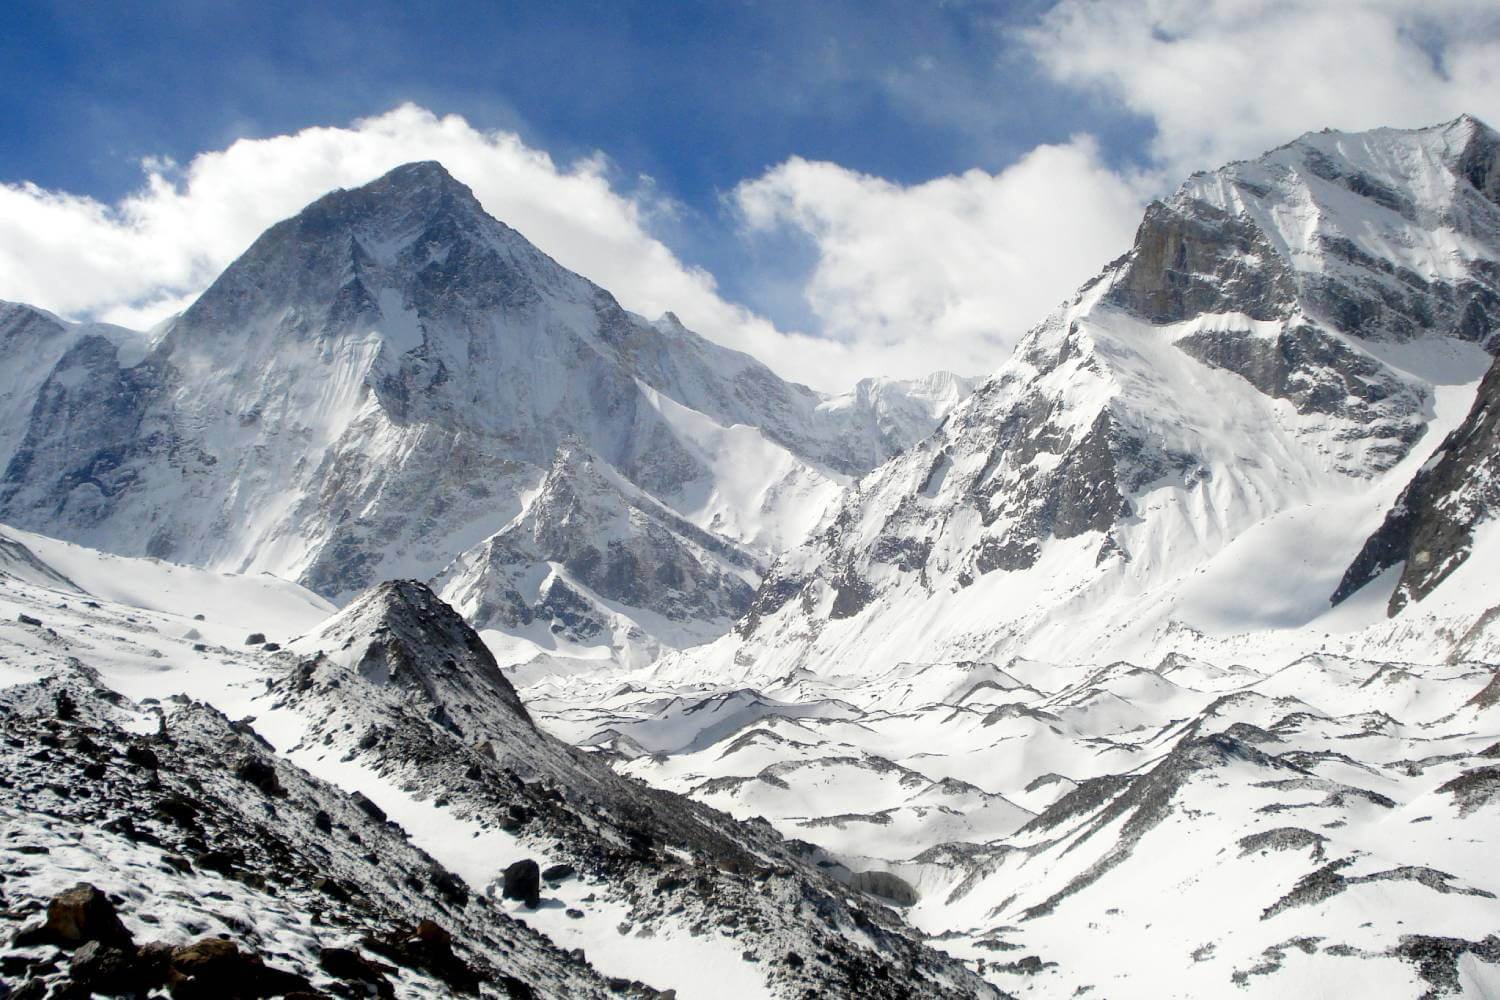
379, 384
611, 544
1276, 338
82, 914
1430, 528
400, 637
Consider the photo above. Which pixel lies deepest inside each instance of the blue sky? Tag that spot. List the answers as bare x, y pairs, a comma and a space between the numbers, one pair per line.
696, 95
856, 187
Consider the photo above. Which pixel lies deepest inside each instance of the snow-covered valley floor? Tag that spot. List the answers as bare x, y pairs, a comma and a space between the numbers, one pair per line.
1177, 828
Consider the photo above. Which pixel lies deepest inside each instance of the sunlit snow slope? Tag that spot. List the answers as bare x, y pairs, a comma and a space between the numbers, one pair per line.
1190, 453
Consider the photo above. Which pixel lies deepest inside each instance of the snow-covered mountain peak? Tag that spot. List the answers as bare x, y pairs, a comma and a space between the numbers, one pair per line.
380, 384
1285, 333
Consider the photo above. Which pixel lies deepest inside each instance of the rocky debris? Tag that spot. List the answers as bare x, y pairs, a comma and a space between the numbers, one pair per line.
1437, 959
1473, 789
106, 959
252, 853
522, 881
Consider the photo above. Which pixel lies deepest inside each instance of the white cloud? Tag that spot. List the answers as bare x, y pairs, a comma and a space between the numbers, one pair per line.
1229, 79
946, 273
950, 272
137, 261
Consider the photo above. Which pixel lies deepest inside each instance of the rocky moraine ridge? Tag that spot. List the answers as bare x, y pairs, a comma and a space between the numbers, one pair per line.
217, 866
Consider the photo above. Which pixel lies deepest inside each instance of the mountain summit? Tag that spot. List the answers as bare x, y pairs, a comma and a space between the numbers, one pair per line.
1195, 445
381, 383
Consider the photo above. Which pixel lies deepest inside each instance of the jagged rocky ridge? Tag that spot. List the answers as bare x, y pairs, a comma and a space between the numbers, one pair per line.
1429, 531
380, 384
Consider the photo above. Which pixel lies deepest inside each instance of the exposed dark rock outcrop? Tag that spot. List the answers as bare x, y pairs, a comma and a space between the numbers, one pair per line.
1430, 528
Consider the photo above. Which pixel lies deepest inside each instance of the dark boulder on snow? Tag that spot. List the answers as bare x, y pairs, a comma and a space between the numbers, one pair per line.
368, 807
523, 881
82, 914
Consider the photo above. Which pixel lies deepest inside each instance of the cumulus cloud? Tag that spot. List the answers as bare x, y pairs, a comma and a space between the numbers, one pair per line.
904, 278
147, 256
1229, 79
949, 273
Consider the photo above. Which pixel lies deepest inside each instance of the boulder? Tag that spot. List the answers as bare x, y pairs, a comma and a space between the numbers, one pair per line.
428, 947
523, 881
82, 914
216, 968
262, 774
350, 966
368, 807
105, 968
255, 638
142, 756
557, 873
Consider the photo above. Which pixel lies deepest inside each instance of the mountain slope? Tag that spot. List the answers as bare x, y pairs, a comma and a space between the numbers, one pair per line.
1430, 529
394, 720
591, 554
376, 386
1247, 386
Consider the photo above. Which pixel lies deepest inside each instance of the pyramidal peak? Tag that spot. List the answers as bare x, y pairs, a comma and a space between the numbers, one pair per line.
400, 634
